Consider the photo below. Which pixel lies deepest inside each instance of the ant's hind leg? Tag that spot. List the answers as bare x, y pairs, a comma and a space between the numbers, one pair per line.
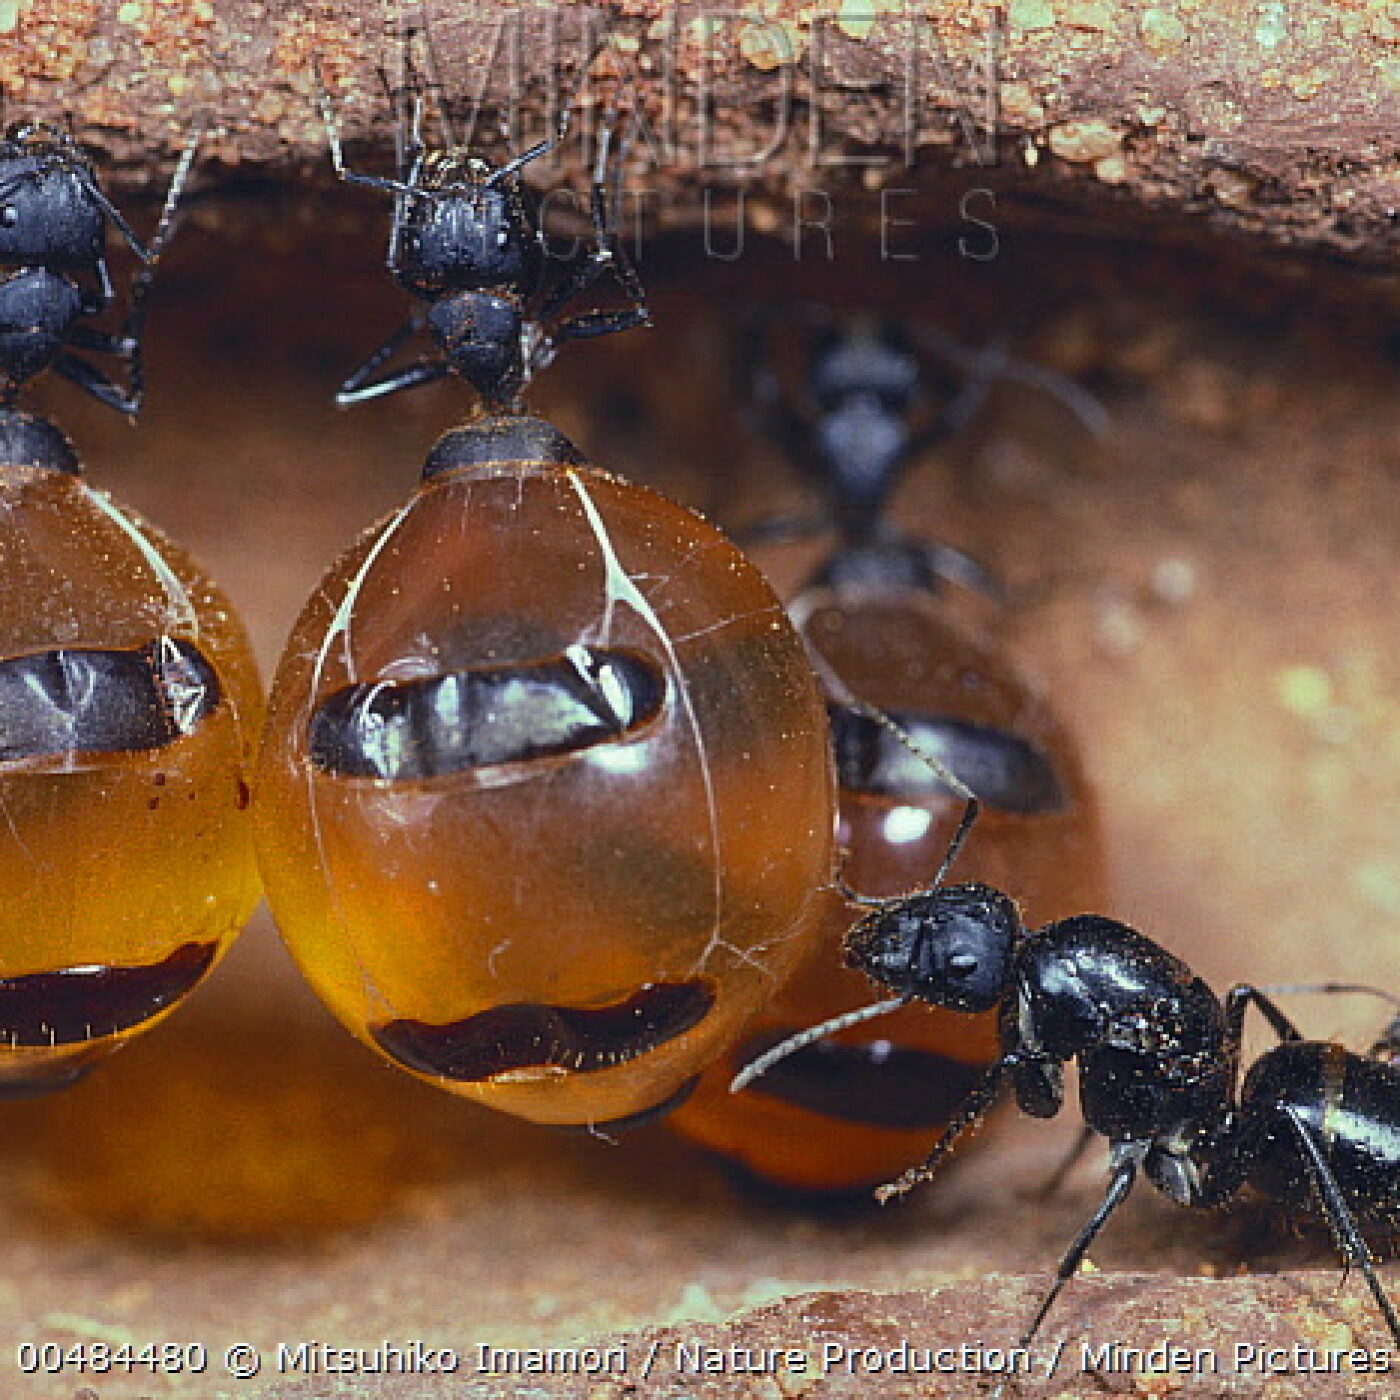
1238, 1000
363, 384
1350, 1244
608, 255
410, 377
1127, 1158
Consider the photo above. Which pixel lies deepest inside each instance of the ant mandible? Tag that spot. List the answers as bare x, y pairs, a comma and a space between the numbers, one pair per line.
1314, 1126
467, 240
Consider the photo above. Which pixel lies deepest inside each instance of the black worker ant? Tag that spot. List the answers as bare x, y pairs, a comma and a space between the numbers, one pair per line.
1314, 1126
467, 241
854, 403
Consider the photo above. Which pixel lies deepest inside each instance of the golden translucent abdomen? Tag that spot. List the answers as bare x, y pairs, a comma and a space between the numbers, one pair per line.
129, 704
564, 923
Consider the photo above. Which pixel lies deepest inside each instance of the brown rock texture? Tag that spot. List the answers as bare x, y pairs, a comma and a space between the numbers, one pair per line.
1270, 119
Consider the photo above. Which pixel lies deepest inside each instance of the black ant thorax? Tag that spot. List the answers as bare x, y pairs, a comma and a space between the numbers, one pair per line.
48, 216
866, 384
464, 228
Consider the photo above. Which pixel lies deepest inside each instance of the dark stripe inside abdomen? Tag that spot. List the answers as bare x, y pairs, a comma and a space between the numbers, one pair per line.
1003, 769
529, 1035
62, 702
77, 1004
476, 718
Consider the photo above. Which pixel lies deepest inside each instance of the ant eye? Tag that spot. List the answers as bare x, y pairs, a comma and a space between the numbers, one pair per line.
9, 216
962, 963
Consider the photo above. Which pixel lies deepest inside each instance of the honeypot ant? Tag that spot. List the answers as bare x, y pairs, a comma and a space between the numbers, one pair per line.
545, 801
1314, 1126
128, 693
854, 403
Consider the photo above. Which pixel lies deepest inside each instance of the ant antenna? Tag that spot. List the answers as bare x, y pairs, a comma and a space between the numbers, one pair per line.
1275, 989
842, 694
810, 1036
837, 689
135, 326
983, 367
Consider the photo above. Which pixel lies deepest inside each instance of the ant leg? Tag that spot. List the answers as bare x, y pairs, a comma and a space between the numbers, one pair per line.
948, 562
131, 340
850, 894
128, 342
165, 225
608, 255
985, 366
1350, 1244
1127, 1157
112, 214
780, 529
1307, 989
421, 372
91, 379
592, 324
606, 221
362, 385
342, 170
97, 342
975, 1108
434, 86
1238, 1000
1241, 997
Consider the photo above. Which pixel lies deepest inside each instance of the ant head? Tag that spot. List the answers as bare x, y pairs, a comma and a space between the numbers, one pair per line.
464, 225
50, 212
865, 358
951, 946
